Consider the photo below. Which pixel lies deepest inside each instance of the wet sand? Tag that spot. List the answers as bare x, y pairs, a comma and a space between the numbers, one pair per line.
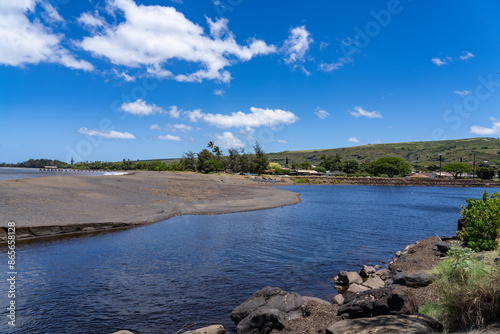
74, 204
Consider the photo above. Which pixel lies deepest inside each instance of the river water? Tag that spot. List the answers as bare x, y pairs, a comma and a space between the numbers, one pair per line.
196, 269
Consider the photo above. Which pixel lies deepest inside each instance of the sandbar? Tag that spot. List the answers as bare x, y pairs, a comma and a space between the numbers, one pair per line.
48, 206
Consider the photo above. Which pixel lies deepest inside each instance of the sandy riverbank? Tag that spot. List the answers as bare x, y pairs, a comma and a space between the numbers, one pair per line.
74, 204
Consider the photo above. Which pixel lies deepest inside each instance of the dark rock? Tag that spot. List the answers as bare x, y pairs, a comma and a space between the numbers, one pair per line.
414, 280
461, 224
267, 309
393, 299
453, 237
3, 234
366, 271
443, 247
261, 321
387, 324
497, 260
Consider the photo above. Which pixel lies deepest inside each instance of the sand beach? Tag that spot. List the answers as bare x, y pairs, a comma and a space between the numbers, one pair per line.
74, 204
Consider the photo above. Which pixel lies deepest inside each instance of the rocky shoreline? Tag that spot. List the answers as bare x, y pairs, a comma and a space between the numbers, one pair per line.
372, 300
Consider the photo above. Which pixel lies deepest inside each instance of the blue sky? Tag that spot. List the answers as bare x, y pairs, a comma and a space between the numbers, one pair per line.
107, 80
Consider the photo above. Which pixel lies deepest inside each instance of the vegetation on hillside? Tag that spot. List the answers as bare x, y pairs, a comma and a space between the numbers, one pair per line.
456, 156
422, 155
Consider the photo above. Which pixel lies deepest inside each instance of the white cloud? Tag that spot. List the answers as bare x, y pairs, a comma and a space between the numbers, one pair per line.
219, 92
480, 130
25, 42
447, 60
322, 114
227, 140
353, 140
151, 36
296, 47
106, 134
323, 45
194, 115
179, 128
91, 21
140, 108
174, 112
170, 137
123, 75
462, 92
329, 67
50, 15
466, 55
256, 118
281, 141
359, 111
439, 61
155, 127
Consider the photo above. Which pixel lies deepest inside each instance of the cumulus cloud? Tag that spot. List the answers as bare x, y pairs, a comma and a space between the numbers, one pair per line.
296, 47
353, 140
256, 118
322, 114
483, 131
360, 112
170, 137
227, 140
140, 108
282, 141
151, 36
31, 42
106, 134
462, 92
179, 128
155, 127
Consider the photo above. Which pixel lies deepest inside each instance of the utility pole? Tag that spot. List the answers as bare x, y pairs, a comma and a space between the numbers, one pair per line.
440, 162
473, 164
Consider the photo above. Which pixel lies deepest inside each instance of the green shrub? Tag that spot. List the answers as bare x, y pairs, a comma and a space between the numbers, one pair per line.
483, 222
468, 290
320, 169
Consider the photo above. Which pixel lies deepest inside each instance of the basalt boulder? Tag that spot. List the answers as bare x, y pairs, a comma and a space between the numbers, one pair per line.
416, 280
393, 299
268, 309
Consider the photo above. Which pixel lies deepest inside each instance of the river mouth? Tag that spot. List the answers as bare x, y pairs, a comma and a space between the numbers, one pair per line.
161, 277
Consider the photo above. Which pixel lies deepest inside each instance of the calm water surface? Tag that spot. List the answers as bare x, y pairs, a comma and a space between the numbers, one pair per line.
196, 269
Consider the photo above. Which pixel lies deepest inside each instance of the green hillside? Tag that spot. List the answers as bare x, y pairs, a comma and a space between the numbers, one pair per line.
418, 153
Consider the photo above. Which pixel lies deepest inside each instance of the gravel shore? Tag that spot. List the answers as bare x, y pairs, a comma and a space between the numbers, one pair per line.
66, 204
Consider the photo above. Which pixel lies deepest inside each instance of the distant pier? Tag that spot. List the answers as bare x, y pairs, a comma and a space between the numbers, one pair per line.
55, 169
